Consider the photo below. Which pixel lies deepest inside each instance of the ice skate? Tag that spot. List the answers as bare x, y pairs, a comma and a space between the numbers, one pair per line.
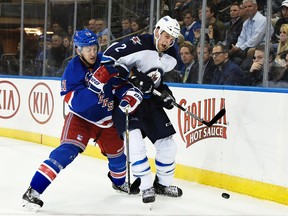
31, 200
134, 188
171, 191
148, 195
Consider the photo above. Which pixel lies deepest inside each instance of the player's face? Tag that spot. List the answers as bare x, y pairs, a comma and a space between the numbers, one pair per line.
89, 53
165, 41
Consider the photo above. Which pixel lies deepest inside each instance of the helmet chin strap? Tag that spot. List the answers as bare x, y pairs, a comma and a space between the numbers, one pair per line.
83, 59
157, 39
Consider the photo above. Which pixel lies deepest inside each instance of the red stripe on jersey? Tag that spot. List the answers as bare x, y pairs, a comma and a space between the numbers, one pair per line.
50, 173
68, 96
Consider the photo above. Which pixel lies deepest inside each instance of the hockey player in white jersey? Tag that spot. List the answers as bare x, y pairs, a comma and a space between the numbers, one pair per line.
149, 57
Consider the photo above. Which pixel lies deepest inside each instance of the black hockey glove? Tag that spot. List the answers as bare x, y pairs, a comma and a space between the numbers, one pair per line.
142, 81
166, 99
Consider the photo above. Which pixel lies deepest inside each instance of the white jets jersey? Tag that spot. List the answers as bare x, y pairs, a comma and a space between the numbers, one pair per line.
140, 52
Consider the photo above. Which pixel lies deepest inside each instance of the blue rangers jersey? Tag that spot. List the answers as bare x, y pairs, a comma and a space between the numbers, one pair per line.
140, 52
95, 108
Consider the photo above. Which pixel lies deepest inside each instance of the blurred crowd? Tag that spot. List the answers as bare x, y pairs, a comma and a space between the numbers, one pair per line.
234, 47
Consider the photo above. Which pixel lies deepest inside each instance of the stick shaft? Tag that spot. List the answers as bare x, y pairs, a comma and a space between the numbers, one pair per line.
209, 124
127, 148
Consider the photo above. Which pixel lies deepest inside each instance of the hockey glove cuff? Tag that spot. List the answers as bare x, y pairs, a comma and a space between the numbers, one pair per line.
105, 72
131, 100
95, 85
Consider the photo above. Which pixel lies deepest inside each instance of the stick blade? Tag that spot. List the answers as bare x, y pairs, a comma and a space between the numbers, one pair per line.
134, 188
219, 115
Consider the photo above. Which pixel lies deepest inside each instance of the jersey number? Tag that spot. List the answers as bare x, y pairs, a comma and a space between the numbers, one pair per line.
123, 46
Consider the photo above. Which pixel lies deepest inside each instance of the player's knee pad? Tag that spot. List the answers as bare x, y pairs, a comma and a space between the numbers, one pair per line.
137, 149
166, 150
165, 156
64, 155
117, 167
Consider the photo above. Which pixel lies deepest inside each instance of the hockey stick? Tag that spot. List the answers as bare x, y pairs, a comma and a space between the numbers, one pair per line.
209, 124
127, 148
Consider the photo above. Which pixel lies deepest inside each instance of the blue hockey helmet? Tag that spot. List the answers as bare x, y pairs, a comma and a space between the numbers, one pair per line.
85, 37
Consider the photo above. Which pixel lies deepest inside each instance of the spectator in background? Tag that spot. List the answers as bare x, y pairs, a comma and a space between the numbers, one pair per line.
227, 72
165, 9
191, 24
56, 28
102, 29
209, 36
137, 26
57, 55
189, 72
180, 64
242, 12
254, 77
103, 42
282, 48
68, 46
181, 6
126, 27
222, 8
252, 34
211, 20
177, 12
92, 25
208, 63
282, 20
70, 30
40, 53
234, 27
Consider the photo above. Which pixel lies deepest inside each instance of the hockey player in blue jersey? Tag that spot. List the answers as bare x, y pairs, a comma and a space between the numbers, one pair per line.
89, 90
149, 57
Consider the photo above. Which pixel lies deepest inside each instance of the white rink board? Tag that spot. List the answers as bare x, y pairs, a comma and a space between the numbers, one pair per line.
254, 146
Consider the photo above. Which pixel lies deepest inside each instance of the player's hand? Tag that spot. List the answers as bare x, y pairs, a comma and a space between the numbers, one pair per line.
101, 76
143, 82
105, 72
131, 100
167, 99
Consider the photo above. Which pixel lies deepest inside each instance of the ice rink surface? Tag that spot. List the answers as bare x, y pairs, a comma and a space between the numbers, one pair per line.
84, 189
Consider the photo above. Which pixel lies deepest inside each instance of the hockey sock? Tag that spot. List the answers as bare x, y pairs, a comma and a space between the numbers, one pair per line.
117, 167
45, 174
59, 158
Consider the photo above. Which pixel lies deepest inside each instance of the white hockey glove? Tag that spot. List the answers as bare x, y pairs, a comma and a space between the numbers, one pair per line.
131, 100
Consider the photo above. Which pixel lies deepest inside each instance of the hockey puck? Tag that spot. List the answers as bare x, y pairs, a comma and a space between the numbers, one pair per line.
225, 195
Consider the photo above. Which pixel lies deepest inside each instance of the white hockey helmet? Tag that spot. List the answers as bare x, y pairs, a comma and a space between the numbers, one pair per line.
169, 25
